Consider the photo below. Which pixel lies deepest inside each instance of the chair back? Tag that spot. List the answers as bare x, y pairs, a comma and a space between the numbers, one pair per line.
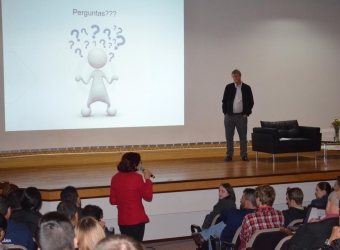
266, 239
279, 245
295, 222
16, 247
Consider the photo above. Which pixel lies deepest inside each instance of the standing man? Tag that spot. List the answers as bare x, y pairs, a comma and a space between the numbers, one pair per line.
237, 105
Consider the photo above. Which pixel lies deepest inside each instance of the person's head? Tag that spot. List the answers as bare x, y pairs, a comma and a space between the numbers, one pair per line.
88, 233
294, 197
322, 188
337, 184
15, 198
9, 188
129, 162
118, 242
54, 232
5, 206
332, 206
226, 191
93, 211
69, 209
70, 193
31, 199
248, 199
265, 195
3, 226
236, 75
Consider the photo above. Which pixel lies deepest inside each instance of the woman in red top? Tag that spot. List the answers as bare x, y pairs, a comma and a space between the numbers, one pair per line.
127, 191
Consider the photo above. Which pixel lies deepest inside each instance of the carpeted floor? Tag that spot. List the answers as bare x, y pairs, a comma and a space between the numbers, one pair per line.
187, 244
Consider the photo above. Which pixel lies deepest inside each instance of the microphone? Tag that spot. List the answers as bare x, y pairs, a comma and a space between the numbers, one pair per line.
143, 170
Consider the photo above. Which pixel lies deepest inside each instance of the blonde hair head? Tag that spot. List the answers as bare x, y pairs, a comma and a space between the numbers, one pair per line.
88, 233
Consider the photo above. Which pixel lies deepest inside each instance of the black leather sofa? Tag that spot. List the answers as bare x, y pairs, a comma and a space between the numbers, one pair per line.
285, 137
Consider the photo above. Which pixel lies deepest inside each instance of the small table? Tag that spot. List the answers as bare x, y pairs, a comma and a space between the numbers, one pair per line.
329, 145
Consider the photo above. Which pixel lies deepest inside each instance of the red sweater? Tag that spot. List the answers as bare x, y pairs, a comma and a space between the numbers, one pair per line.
127, 191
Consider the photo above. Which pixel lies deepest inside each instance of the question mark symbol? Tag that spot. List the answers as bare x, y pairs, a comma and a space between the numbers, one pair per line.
114, 40
119, 31
87, 44
121, 43
71, 44
77, 35
111, 56
94, 42
108, 33
102, 40
115, 13
115, 27
79, 52
94, 33
84, 31
110, 45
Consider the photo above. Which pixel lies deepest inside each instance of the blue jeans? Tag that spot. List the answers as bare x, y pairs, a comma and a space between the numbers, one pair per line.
215, 229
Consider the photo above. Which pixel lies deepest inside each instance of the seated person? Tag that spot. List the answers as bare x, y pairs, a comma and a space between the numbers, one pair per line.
314, 234
88, 233
294, 199
14, 198
333, 243
226, 200
336, 186
97, 213
119, 242
322, 190
3, 228
55, 232
29, 214
231, 220
264, 217
16, 234
70, 210
9, 188
70, 193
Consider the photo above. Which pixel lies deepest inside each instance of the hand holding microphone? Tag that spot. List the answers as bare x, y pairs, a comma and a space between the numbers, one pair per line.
146, 172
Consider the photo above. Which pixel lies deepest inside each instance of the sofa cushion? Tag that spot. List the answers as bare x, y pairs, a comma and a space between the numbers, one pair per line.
286, 129
296, 143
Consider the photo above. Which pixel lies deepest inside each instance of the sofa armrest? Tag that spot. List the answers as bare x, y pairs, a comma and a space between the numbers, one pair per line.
271, 131
309, 132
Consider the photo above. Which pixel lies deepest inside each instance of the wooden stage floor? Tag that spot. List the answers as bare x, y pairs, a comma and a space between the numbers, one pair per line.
175, 170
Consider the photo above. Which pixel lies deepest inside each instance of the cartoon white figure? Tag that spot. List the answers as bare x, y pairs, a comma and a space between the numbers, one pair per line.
97, 58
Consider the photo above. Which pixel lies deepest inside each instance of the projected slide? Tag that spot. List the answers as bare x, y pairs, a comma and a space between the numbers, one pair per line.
93, 64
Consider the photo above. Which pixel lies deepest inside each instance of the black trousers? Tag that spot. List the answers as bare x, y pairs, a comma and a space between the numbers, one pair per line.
135, 231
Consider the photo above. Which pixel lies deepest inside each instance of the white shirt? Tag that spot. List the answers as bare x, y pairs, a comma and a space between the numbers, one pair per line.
238, 104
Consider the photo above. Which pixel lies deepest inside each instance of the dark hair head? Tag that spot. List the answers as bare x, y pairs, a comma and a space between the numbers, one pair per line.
67, 208
4, 204
15, 198
54, 232
9, 188
69, 194
129, 162
31, 199
266, 194
324, 185
249, 194
230, 190
295, 194
117, 241
3, 223
93, 211
236, 72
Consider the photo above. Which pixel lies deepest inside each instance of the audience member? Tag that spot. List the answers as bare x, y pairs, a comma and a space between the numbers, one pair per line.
263, 217
294, 199
333, 243
16, 234
55, 232
14, 198
119, 242
3, 228
88, 233
70, 210
29, 214
231, 220
127, 191
226, 200
97, 213
9, 188
70, 193
313, 235
322, 190
336, 186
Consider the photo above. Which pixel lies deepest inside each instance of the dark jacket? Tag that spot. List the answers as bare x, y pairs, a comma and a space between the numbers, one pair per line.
18, 234
27, 217
293, 213
322, 202
220, 205
229, 96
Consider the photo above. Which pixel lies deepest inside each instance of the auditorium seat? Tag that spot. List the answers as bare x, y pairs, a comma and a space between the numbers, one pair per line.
265, 239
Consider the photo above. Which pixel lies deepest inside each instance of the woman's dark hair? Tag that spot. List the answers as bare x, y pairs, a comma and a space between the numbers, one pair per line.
31, 199
93, 211
324, 185
129, 162
230, 190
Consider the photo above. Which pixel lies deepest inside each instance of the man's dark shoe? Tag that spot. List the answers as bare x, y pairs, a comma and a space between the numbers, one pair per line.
245, 158
228, 158
198, 238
